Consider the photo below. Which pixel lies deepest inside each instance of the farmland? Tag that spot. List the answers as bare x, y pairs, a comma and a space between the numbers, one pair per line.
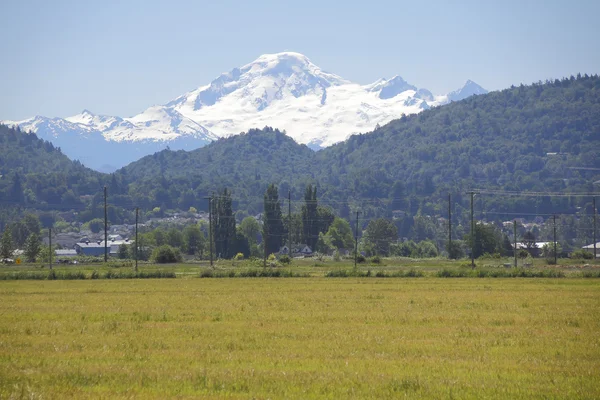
300, 338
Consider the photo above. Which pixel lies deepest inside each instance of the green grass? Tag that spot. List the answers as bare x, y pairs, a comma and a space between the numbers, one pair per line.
301, 338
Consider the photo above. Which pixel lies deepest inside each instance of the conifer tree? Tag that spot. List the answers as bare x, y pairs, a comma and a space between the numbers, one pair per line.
32, 247
6, 244
223, 225
273, 230
310, 223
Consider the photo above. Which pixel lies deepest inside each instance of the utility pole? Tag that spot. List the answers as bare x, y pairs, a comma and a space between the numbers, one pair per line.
594, 206
290, 223
515, 239
356, 241
210, 240
137, 210
449, 226
50, 247
554, 228
472, 233
105, 228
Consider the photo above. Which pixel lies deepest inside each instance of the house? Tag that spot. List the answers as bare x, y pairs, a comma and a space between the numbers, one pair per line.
284, 250
590, 248
65, 253
536, 250
298, 250
96, 248
302, 250
65, 256
90, 248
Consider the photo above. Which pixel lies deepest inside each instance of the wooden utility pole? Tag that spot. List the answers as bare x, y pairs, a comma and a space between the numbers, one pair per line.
50, 248
594, 206
137, 210
105, 228
555, 255
290, 223
472, 233
515, 239
449, 226
356, 241
210, 236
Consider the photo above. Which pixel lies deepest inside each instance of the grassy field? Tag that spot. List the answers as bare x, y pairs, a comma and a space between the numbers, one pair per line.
313, 267
300, 338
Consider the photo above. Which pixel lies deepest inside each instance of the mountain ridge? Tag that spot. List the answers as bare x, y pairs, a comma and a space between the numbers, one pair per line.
285, 90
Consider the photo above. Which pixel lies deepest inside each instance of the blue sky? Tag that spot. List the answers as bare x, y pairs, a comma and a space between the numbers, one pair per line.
119, 57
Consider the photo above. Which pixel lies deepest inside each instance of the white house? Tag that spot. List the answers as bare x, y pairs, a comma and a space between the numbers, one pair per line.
297, 250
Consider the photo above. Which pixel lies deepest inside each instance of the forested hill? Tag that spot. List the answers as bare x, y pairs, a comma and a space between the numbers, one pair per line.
245, 163
26, 153
543, 137
33, 172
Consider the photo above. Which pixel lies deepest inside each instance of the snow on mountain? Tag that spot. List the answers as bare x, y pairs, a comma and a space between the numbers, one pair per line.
287, 91
469, 89
283, 90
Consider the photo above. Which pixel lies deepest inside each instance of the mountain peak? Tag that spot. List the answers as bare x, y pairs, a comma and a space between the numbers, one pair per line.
285, 55
470, 88
394, 87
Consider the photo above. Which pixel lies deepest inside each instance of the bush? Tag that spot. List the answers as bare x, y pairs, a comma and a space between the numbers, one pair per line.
376, 260
336, 256
207, 273
522, 253
361, 259
239, 256
166, 254
285, 259
120, 264
582, 254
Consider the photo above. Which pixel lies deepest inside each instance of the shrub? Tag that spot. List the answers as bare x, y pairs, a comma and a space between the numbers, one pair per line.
582, 254
336, 256
285, 259
120, 264
522, 253
166, 254
239, 256
206, 273
376, 260
361, 259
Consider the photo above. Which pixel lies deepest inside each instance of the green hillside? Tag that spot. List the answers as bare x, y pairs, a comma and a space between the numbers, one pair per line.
245, 163
544, 137
36, 174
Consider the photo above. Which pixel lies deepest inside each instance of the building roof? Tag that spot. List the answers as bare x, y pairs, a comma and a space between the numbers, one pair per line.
100, 243
65, 252
591, 246
538, 245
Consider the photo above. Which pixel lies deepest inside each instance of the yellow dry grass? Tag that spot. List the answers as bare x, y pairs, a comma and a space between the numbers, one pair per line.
300, 338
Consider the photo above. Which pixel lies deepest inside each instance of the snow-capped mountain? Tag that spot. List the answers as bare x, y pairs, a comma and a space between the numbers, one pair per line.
283, 90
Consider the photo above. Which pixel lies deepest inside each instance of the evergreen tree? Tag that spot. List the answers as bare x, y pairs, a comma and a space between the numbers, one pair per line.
6, 244
273, 230
223, 225
32, 247
310, 217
